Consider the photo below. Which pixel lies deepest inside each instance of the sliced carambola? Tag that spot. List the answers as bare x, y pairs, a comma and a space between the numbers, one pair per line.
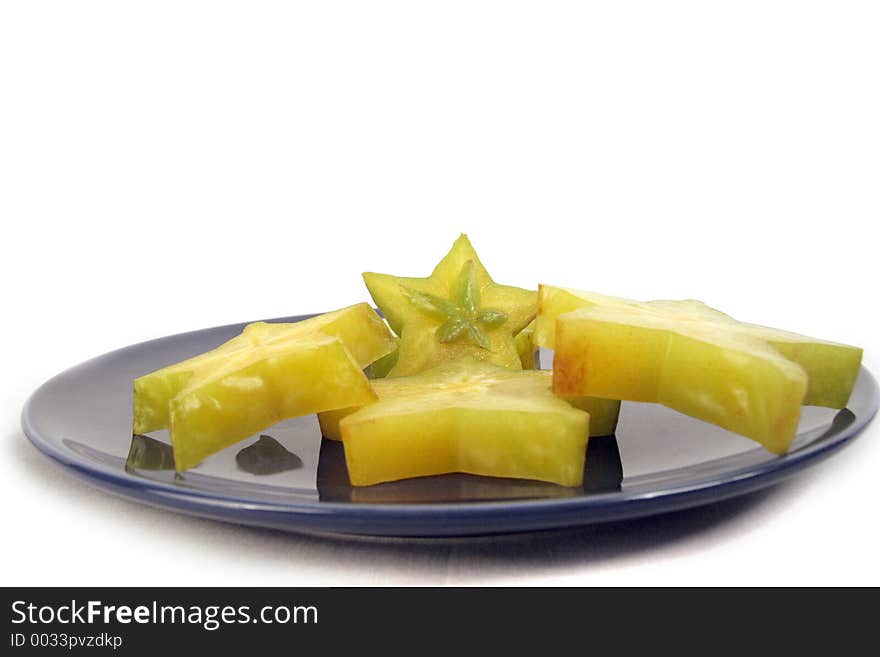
268, 373
387, 388
699, 361
554, 301
466, 416
526, 347
329, 420
380, 368
832, 368
253, 391
360, 329
603, 412
458, 311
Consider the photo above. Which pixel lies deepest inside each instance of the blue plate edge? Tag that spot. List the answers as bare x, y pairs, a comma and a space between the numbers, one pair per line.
427, 520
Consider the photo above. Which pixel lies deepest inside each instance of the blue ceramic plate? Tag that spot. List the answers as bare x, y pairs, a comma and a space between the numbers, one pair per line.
288, 478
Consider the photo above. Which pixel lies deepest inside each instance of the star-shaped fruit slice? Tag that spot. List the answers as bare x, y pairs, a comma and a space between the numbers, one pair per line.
457, 311
525, 347
268, 373
747, 378
603, 412
465, 416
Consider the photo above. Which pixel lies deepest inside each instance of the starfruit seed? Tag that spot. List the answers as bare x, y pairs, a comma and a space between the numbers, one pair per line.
492, 318
451, 330
466, 290
477, 337
430, 303
461, 315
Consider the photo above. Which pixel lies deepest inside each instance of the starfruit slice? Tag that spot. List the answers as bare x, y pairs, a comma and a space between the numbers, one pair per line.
268, 373
554, 301
604, 413
380, 368
746, 378
457, 311
466, 416
334, 484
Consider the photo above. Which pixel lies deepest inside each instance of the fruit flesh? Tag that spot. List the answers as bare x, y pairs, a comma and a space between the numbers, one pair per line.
466, 416
603, 412
268, 373
458, 311
334, 485
358, 326
526, 347
699, 361
554, 301
832, 368
220, 408
380, 368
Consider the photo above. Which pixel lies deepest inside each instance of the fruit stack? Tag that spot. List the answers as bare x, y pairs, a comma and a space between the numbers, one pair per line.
447, 383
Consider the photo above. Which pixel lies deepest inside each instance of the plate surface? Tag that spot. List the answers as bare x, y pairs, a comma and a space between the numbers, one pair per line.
288, 478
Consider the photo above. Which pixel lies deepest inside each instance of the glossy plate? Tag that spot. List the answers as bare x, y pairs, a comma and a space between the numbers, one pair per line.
288, 478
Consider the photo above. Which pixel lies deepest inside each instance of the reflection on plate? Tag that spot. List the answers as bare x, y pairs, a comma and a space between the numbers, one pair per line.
266, 457
146, 453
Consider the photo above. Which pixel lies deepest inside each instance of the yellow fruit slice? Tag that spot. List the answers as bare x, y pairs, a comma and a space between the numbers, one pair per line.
746, 378
268, 373
527, 348
329, 420
603, 412
466, 416
334, 484
379, 368
554, 301
458, 311
832, 368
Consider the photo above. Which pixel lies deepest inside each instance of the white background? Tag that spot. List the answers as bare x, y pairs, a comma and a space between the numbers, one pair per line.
167, 166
